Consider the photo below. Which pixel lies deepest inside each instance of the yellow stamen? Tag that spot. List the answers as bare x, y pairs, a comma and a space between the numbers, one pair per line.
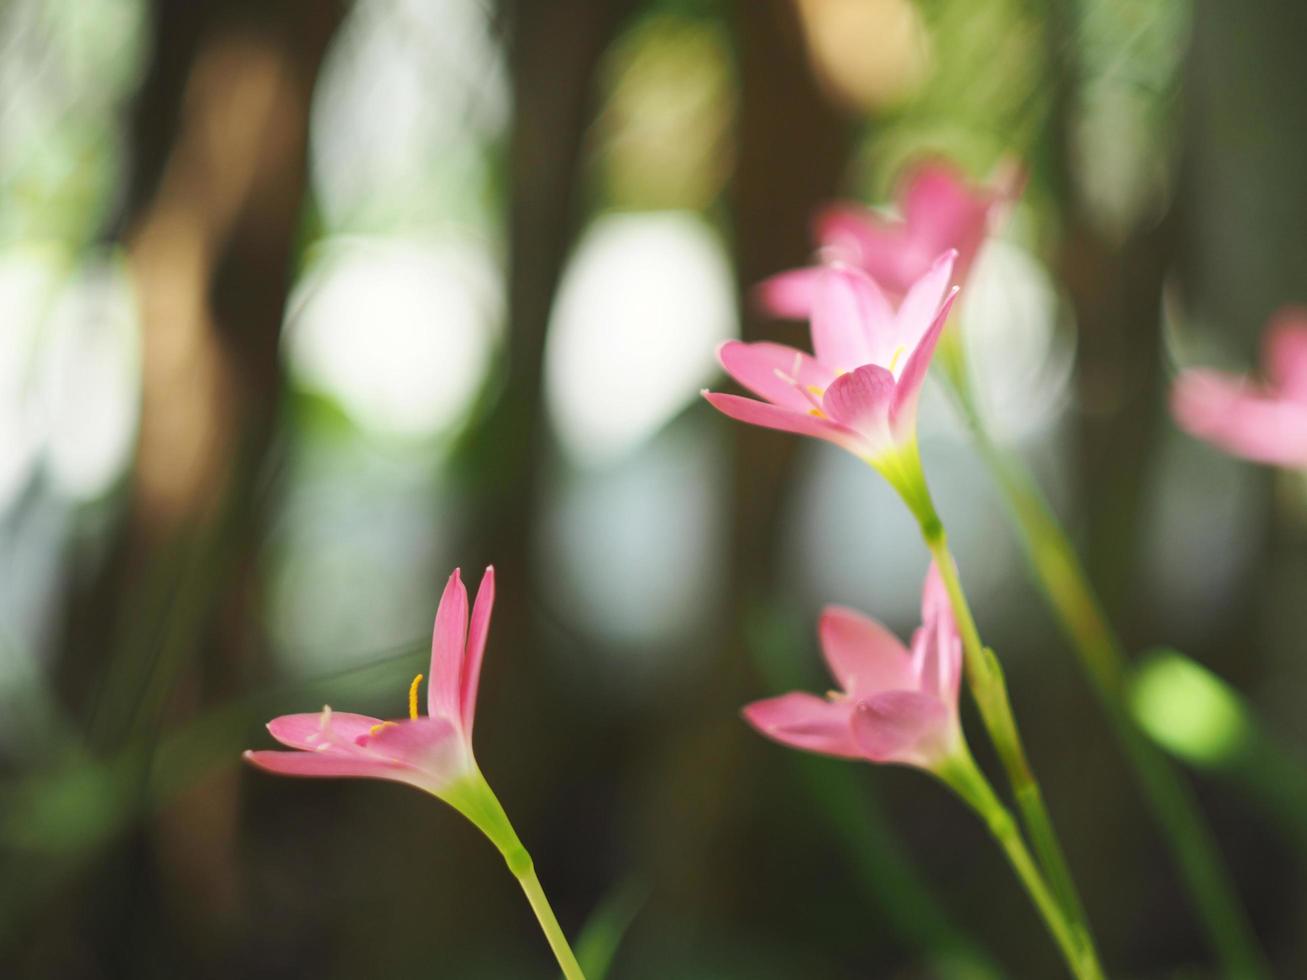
816, 413
816, 390
894, 359
413, 696
376, 728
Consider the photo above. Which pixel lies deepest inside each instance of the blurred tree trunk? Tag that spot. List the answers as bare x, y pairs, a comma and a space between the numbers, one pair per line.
1244, 255
554, 52
219, 141
1226, 236
792, 152
1116, 292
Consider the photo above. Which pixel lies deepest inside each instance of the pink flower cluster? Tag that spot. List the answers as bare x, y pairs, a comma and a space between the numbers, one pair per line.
877, 305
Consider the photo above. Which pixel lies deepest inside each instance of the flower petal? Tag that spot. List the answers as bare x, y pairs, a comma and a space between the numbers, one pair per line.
906, 727
851, 319
789, 294
917, 312
782, 419
805, 721
861, 400
863, 656
326, 727
903, 415
448, 645
937, 646
476, 648
776, 372
878, 246
944, 210
1226, 412
329, 765
1286, 352
433, 747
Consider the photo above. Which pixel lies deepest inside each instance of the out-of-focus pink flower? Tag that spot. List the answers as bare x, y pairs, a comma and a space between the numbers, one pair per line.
859, 389
432, 752
893, 705
1262, 421
940, 210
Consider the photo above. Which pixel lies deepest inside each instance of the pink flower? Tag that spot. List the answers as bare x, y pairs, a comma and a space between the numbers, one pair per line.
1262, 421
940, 210
893, 705
432, 752
860, 388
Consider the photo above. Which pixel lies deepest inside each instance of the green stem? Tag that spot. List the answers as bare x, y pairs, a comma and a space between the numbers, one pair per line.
548, 921
963, 776
1170, 799
474, 798
989, 687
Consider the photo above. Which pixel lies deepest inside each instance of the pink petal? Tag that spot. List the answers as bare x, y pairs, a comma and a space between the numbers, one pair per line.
848, 311
776, 372
782, 419
937, 645
476, 647
935, 601
433, 747
917, 311
903, 726
863, 656
328, 765
935, 193
861, 400
448, 644
877, 246
805, 721
311, 731
1245, 422
943, 210
789, 294
1286, 352
904, 411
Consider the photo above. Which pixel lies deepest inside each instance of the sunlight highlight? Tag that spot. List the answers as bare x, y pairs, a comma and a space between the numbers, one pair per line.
643, 303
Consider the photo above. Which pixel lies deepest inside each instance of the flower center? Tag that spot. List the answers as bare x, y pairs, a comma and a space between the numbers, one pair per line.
413, 697
894, 358
412, 706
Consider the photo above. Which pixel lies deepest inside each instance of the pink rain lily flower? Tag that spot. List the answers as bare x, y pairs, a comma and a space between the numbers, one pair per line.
893, 705
1262, 421
859, 389
432, 752
940, 210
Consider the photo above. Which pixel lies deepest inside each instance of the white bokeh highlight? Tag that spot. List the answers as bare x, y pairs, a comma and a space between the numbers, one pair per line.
92, 381
1021, 363
643, 304
399, 333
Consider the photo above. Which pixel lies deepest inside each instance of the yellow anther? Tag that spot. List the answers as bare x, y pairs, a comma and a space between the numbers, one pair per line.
376, 728
413, 696
816, 413
816, 390
894, 359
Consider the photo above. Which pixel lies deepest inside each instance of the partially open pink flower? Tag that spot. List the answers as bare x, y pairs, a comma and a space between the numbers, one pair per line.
1262, 421
893, 705
430, 752
859, 389
940, 210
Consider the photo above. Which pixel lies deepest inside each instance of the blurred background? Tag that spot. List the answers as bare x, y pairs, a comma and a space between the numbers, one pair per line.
305, 303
